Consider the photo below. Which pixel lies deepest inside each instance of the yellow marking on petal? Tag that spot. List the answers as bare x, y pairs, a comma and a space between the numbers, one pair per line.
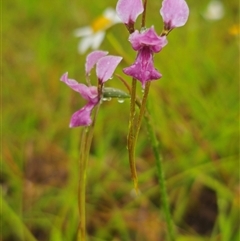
234, 29
101, 23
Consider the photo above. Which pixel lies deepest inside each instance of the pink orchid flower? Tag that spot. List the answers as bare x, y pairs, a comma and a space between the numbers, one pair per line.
105, 66
146, 43
174, 13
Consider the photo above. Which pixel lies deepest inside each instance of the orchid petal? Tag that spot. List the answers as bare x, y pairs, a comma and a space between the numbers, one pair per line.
82, 117
88, 93
106, 66
174, 13
143, 68
129, 10
93, 58
147, 38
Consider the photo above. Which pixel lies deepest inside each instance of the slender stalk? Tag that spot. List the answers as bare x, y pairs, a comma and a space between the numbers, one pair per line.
134, 131
161, 179
131, 139
144, 13
160, 172
142, 109
125, 83
86, 141
131, 135
82, 188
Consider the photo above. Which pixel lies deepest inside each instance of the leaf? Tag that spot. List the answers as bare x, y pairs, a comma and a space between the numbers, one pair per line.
114, 93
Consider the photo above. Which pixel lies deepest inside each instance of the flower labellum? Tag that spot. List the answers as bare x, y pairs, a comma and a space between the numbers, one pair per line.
174, 13
146, 43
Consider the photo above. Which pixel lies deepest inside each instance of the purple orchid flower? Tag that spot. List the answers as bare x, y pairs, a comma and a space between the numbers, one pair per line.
105, 66
146, 43
82, 117
174, 13
129, 10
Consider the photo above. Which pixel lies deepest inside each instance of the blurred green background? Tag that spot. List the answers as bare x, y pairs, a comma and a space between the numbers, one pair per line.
195, 109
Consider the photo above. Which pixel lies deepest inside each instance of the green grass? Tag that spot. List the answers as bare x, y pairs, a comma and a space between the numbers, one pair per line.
195, 109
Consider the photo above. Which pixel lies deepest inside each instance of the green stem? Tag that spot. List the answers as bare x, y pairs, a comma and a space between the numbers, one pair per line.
86, 141
131, 135
134, 131
144, 13
142, 109
160, 172
161, 178
82, 187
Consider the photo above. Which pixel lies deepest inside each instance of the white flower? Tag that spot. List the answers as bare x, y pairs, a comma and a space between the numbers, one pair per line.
214, 11
93, 35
